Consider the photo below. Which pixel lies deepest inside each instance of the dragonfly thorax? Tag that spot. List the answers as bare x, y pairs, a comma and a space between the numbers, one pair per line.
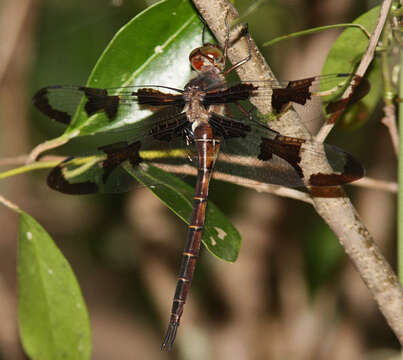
209, 57
194, 108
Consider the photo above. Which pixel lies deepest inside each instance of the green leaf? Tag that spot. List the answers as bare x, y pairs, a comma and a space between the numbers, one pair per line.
219, 236
52, 314
152, 49
345, 55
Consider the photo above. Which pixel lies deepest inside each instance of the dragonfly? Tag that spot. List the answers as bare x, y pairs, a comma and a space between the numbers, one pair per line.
195, 125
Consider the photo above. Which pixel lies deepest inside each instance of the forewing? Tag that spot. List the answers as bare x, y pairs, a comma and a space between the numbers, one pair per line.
305, 92
61, 102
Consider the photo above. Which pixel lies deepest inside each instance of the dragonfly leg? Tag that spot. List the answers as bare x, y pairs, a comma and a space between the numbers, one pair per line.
244, 32
226, 44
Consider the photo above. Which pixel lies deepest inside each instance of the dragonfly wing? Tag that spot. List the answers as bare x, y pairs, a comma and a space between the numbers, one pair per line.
264, 155
60, 102
104, 171
303, 92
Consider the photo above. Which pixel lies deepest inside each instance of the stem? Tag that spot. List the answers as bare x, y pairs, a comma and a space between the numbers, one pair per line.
389, 120
315, 30
388, 88
9, 204
27, 168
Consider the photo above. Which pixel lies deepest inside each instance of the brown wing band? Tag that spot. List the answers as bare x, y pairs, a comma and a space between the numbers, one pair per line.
353, 170
153, 97
57, 181
118, 153
41, 101
285, 147
296, 91
99, 100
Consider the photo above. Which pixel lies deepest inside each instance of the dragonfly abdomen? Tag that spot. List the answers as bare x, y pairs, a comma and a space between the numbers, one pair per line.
207, 147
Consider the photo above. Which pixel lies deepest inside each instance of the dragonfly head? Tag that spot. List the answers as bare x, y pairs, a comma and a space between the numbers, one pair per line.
206, 58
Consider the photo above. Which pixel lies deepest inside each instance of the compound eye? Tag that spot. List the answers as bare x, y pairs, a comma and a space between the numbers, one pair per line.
194, 52
207, 57
213, 52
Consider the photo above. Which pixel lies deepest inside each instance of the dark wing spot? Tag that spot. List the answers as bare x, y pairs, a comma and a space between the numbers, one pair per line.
327, 191
285, 147
234, 93
58, 182
99, 100
353, 170
153, 97
41, 101
118, 153
296, 91
360, 88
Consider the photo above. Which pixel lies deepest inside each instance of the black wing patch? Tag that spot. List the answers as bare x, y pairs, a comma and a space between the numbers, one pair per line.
42, 103
99, 100
57, 181
351, 171
152, 97
118, 153
360, 88
297, 91
285, 147
232, 94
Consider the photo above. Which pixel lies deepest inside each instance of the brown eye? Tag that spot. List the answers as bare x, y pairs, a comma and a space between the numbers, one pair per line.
212, 52
207, 56
194, 52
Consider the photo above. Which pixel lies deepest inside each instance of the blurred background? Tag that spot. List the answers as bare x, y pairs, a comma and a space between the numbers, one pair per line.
292, 294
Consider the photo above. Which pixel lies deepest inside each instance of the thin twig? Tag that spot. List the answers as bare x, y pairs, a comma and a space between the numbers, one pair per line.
45, 146
314, 31
337, 212
374, 184
251, 184
363, 66
13, 161
389, 120
22, 159
9, 204
49, 161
